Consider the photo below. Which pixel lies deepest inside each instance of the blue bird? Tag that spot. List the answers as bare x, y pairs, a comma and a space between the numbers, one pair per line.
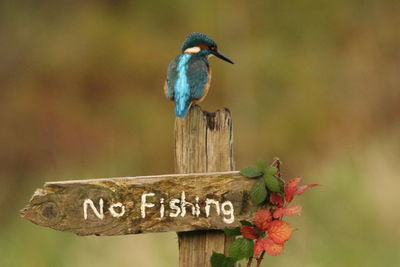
189, 75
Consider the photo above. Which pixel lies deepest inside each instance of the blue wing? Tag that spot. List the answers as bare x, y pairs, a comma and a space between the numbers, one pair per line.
198, 77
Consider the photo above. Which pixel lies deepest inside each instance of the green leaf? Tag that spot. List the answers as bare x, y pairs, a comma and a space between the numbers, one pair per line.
272, 183
258, 192
261, 165
244, 222
241, 248
251, 172
232, 231
220, 260
270, 171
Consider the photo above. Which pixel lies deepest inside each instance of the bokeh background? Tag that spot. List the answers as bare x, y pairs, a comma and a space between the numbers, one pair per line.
315, 83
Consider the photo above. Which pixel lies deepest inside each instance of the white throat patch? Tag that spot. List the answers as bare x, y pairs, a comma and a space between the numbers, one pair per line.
192, 50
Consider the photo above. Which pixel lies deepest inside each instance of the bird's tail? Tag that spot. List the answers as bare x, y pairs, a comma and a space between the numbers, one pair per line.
182, 107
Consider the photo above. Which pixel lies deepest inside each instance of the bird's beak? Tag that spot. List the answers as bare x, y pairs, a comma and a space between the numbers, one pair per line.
221, 56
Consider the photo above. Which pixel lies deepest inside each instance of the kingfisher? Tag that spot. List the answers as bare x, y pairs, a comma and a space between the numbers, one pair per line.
189, 74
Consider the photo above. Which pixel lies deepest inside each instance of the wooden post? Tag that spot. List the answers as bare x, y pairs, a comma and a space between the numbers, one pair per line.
203, 143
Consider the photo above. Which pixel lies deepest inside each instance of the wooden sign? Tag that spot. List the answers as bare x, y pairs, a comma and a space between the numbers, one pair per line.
207, 195
134, 205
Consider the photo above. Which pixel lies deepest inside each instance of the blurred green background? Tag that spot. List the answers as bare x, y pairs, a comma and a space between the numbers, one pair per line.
315, 83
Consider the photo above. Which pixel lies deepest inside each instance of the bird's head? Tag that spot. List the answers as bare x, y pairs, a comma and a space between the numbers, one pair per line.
199, 43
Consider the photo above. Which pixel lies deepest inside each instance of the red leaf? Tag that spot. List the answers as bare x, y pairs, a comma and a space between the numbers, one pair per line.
302, 188
290, 189
292, 210
258, 248
271, 247
276, 199
262, 219
279, 212
248, 232
279, 231
288, 211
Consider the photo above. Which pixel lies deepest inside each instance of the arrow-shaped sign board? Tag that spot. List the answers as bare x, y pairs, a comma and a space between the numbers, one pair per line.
133, 205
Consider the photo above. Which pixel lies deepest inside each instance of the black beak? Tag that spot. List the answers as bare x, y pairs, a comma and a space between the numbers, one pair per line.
221, 56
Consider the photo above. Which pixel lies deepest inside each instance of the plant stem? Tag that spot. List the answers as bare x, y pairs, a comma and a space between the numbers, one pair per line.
249, 262
259, 260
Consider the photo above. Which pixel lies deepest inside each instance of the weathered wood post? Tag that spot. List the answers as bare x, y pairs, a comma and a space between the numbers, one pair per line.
203, 143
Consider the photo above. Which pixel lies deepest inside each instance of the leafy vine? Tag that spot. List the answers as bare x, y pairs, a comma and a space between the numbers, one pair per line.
267, 233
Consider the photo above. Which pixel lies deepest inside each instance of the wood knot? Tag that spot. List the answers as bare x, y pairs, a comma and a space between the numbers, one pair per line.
49, 211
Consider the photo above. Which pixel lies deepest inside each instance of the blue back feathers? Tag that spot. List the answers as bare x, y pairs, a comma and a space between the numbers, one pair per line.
182, 88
